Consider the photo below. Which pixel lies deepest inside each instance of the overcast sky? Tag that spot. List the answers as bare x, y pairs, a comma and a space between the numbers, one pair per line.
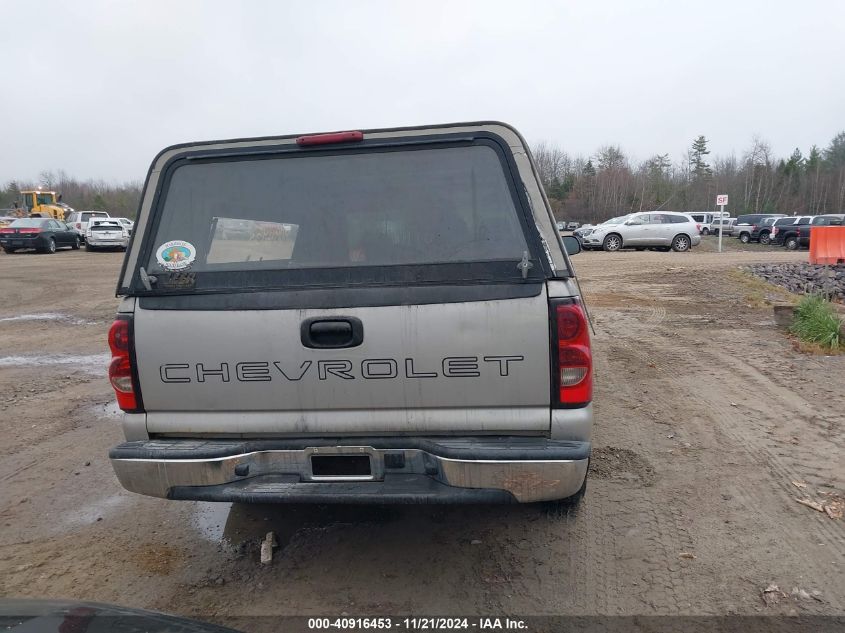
98, 88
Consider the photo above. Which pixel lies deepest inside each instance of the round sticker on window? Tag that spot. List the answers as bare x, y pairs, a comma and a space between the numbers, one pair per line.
176, 255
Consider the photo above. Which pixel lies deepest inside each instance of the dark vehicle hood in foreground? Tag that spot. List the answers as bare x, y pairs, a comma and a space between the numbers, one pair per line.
69, 616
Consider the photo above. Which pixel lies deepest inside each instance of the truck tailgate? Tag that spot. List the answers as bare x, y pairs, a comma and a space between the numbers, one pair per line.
464, 367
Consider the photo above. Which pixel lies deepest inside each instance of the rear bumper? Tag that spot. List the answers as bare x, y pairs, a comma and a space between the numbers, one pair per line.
402, 470
17, 242
99, 243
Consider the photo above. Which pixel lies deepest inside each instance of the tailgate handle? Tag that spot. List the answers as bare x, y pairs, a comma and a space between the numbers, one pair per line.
332, 332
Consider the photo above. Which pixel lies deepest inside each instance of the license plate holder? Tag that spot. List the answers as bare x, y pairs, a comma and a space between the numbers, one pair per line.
340, 466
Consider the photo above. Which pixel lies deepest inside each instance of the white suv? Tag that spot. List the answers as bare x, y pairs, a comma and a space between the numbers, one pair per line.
78, 220
661, 230
105, 233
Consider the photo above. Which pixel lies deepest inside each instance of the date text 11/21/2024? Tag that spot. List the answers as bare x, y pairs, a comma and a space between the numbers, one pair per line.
417, 623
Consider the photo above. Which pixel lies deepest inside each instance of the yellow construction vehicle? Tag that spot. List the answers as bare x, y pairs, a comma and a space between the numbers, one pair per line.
42, 203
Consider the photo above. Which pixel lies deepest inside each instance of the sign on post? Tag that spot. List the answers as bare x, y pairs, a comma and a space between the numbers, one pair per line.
721, 202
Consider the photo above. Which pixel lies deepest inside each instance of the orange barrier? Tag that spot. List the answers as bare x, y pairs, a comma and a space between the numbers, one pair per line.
827, 245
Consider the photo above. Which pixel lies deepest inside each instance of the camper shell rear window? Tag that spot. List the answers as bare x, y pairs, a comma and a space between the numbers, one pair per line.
412, 214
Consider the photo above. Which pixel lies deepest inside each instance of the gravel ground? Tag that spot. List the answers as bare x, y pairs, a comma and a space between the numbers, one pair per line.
803, 278
709, 426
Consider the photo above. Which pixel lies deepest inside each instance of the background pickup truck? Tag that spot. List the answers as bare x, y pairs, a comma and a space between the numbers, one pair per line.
377, 316
755, 227
794, 236
725, 225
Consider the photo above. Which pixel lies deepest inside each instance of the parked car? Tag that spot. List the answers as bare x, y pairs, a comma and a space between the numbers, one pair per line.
43, 234
704, 220
105, 233
761, 232
79, 220
725, 225
664, 230
797, 235
400, 350
572, 226
127, 224
747, 227
580, 232
561, 226
783, 227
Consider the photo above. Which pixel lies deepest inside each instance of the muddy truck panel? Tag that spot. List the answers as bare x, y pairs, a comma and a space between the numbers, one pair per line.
386, 315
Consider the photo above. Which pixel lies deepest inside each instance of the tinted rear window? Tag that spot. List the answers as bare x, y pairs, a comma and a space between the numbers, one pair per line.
29, 223
826, 220
424, 206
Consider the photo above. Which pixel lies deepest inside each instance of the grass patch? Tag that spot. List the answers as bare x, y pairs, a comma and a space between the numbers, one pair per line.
817, 322
759, 293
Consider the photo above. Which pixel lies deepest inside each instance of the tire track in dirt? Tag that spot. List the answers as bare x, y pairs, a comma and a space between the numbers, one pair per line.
673, 361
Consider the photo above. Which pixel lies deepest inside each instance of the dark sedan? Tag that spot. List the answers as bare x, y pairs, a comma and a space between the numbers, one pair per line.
43, 234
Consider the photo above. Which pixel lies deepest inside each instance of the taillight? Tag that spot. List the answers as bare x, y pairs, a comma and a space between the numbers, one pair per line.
79, 225
29, 230
698, 228
7, 230
121, 374
333, 137
774, 231
572, 380
753, 227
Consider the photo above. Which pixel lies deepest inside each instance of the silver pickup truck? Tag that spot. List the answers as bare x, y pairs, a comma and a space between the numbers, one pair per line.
383, 316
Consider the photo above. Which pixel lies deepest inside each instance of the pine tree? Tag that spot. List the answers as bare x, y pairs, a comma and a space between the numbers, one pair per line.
589, 170
795, 162
698, 167
834, 155
813, 160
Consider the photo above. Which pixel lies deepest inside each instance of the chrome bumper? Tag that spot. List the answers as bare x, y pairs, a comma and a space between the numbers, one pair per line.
286, 475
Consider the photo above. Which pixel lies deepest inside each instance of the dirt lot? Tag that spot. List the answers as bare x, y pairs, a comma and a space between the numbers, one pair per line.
705, 416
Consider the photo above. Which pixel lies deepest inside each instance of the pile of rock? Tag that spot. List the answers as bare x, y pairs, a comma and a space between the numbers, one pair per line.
828, 281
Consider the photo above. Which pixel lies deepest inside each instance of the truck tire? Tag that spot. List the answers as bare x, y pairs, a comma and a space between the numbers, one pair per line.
51, 246
705, 231
681, 243
612, 242
76, 243
744, 237
791, 243
765, 238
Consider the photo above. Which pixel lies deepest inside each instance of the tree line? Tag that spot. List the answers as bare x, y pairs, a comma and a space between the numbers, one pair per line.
119, 199
597, 187
608, 183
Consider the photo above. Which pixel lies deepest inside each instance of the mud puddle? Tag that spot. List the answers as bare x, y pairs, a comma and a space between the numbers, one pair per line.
95, 511
240, 526
90, 363
48, 316
105, 410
